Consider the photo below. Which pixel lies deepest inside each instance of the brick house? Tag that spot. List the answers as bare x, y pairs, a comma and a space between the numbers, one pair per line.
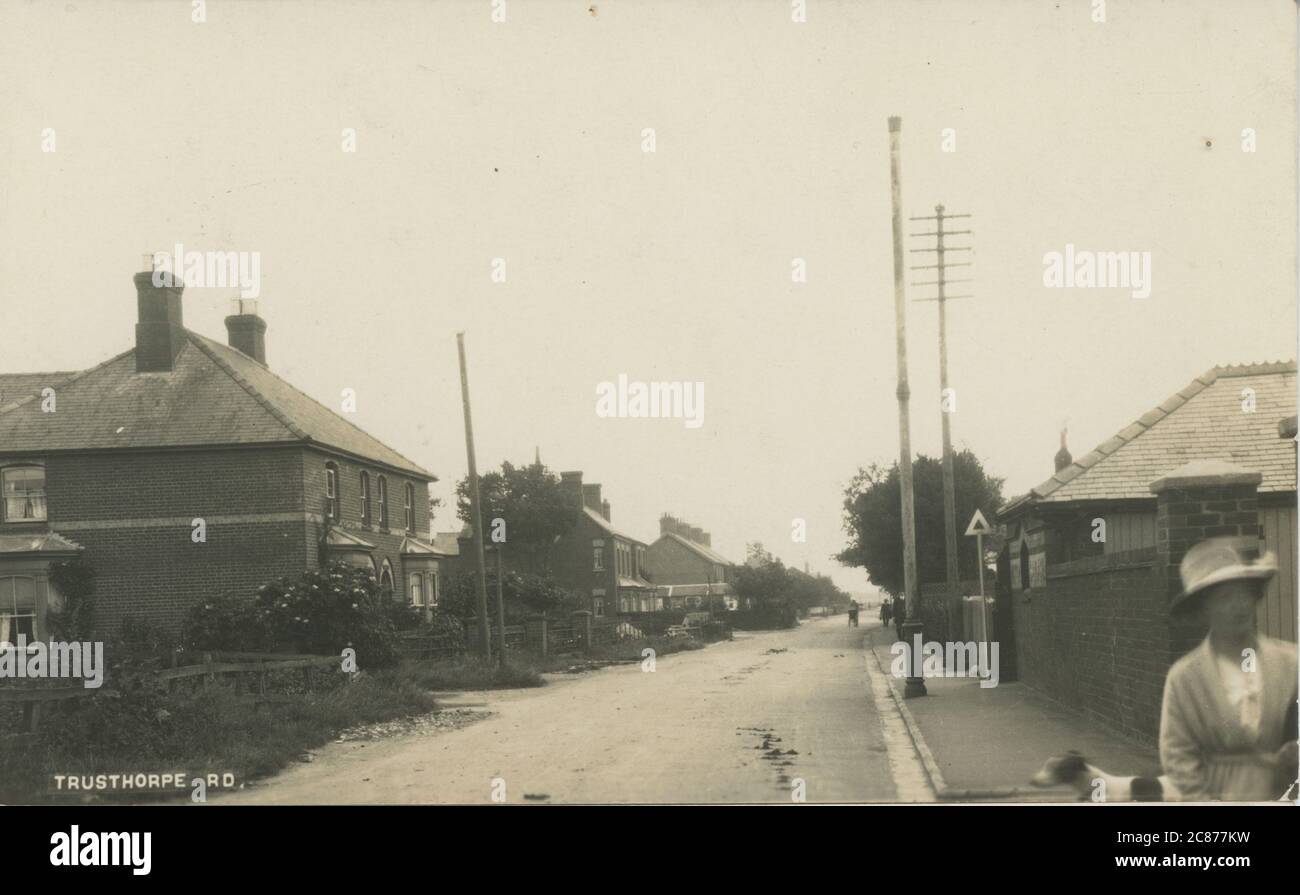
124, 464
687, 568
1091, 556
605, 567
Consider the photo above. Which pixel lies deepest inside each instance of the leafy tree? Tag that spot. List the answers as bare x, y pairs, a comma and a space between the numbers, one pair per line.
524, 595
536, 510
873, 520
763, 580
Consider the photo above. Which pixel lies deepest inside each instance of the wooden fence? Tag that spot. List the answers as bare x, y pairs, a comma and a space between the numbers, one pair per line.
249, 670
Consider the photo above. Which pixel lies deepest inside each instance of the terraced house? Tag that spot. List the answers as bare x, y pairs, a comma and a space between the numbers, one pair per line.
183, 469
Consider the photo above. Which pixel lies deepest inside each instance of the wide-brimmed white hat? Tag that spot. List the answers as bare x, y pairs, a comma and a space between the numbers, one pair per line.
1217, 560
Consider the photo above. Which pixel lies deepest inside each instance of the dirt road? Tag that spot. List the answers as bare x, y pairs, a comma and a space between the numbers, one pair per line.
765, 718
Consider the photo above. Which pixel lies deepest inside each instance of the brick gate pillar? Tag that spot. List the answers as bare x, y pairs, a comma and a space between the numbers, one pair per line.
1199, 500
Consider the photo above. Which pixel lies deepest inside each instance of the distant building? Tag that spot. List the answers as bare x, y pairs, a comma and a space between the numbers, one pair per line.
605, 567
683, 558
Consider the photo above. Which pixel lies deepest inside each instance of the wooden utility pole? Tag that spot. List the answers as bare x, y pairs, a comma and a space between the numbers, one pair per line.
912, 627
947, 399
475, 514
501, 608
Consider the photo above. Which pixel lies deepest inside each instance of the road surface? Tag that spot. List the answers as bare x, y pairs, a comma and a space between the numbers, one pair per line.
768, 717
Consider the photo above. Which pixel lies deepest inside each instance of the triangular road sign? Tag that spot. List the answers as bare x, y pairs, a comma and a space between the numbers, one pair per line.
979, 525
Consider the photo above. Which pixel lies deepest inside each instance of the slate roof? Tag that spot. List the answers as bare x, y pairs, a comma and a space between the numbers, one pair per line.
214, 395
707, 552
19, 385
1203, 421
607, 528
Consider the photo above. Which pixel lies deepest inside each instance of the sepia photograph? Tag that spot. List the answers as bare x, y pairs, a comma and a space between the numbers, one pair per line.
557, 403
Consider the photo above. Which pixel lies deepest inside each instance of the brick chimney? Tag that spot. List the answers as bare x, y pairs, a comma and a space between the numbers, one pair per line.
571, 484
160, 327
604, 509
667, 525
591, 497
246, 331
706, 539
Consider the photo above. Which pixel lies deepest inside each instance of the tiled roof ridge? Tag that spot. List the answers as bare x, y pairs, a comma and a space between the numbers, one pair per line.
1261, 368
261, 399
1147, 421
71, 378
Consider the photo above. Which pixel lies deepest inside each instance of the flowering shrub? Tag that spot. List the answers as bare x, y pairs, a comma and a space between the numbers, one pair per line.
321, 612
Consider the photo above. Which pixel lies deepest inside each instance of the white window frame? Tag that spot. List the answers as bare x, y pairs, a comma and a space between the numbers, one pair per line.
4, 494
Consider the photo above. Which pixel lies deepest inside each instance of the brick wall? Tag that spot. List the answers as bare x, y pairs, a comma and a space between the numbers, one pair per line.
1096, 639
674, 563
133, 512
386, 538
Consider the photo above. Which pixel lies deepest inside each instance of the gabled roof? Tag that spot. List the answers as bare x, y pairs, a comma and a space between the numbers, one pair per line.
706, 552
337, 537
214, 395
607, 528
1204, 421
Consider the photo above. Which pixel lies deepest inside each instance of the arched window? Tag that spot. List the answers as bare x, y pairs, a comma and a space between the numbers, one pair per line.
24, 493
1024, 566
386, 578
332, 491
365, 497
410, 507
383, 502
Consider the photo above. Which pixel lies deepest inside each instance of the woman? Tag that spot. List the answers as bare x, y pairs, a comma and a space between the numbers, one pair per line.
1224, 726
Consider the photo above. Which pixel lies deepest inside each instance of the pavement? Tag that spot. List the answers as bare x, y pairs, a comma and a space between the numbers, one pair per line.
984, 743
778, 717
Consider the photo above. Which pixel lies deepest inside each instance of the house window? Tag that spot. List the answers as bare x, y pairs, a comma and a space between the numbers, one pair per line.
598, 606
332, 491
365, 498
1024, 565
383, 502
598, 558
415, 589
410, 507
24, 493
434, 594
17, 608
386, 579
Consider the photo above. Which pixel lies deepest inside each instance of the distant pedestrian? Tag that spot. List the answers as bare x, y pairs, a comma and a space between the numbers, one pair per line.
886, 613
853, 614
1224, 730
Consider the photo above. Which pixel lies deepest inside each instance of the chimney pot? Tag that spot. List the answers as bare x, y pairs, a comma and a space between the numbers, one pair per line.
604, 509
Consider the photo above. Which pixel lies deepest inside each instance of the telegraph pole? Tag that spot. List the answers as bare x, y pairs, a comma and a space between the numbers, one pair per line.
476, 516
946, 398
912, 627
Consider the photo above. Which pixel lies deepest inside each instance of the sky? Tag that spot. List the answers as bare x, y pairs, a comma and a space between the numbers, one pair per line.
525, 140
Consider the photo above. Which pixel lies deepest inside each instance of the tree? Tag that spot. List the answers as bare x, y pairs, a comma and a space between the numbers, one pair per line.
532, 504
763, 580
524, 596
435, 504
873, 520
